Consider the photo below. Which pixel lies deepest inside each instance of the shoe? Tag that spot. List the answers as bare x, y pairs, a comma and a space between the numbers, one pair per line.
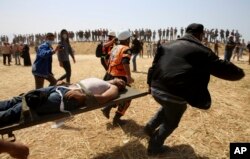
119, 122
148, 130
158, 151
106, 111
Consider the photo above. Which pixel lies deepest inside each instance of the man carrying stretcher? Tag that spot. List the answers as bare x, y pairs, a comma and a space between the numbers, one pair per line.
60, 98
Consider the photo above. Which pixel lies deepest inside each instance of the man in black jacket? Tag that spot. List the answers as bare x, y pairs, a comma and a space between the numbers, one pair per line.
248, 47
229, 47
136, 48
179, 75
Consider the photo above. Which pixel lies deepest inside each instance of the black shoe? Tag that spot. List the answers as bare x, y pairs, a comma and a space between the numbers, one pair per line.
148, 130
106, 112
119, 122
158, 151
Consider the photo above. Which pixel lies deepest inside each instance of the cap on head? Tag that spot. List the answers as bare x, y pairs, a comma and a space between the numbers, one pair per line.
112, 33
124, 35
195, 28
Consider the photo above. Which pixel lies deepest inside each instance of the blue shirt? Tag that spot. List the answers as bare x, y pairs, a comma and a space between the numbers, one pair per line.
43, 64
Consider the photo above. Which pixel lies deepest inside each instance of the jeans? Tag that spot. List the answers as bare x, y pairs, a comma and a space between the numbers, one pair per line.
10, 110
165, 121
67, 68
134, 61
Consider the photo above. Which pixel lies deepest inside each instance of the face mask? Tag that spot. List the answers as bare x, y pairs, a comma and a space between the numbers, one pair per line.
65, 36
50, 42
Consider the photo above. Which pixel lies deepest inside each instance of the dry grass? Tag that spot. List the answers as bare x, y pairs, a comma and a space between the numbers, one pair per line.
201, 134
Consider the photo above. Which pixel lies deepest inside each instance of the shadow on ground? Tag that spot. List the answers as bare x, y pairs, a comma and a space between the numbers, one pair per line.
136, 150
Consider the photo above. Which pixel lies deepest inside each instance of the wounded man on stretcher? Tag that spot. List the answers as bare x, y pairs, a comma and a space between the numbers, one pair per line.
60, 98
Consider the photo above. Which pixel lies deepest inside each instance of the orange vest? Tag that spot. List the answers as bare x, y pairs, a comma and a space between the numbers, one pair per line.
115, 60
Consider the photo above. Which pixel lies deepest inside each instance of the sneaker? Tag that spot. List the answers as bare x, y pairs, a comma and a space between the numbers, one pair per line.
158, 151
105, 112
148, 130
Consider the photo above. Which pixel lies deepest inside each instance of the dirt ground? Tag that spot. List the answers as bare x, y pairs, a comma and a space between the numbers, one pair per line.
201, 134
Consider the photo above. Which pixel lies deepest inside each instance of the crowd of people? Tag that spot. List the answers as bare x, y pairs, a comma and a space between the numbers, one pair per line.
177, 76
15, 51
147, 34
213, 38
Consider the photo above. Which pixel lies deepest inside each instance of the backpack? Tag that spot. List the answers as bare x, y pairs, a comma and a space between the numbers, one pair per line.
99, 50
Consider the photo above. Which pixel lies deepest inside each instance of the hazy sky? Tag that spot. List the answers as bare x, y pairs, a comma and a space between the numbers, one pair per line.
39, 16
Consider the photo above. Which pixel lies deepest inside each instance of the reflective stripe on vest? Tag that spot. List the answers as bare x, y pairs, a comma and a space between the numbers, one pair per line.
115, 60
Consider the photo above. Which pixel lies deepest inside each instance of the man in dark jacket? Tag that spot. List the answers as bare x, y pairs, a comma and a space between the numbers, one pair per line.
136, 48
180, 75
229, 47
248, 47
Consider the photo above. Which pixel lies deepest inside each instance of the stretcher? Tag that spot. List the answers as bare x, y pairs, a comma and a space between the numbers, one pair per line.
128, 94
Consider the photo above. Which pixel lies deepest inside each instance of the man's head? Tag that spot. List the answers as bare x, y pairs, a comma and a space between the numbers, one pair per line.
197, 30
111, 35
124, 37
231, 38
119, 83
135, 36
50, 36
6, 43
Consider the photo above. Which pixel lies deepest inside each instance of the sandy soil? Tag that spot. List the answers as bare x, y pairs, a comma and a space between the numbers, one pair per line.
201, 134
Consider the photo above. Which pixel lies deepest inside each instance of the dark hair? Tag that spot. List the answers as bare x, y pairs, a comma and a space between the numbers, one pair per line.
50, 35
62, 32
195, 28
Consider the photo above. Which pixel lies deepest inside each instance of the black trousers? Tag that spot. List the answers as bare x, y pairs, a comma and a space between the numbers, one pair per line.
165, 121
67, 68
5, 56
103, 62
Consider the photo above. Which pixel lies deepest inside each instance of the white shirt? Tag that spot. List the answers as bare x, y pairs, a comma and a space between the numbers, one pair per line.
95, 85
